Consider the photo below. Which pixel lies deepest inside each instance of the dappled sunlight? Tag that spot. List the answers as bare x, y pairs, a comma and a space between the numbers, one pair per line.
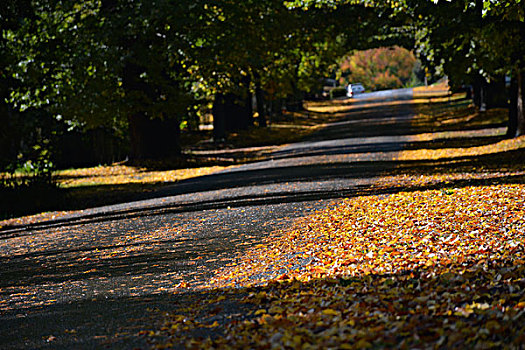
438, 89
342, 106
451, 153
121, 174
323, 152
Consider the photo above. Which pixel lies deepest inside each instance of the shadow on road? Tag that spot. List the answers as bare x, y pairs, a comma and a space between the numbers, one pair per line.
167, 318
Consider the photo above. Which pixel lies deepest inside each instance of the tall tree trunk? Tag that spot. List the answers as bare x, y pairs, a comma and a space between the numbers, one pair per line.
261, 107
242, 109
219, 118
231, 113
153, 138
496, 94
516, 126
238, 111
260, 101
479, 92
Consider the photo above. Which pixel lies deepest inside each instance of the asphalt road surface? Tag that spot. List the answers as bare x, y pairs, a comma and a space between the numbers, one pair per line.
95, 279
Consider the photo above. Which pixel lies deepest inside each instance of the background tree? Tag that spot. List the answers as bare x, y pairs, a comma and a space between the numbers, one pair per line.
138, 69
111, 64
381, 68
474, 42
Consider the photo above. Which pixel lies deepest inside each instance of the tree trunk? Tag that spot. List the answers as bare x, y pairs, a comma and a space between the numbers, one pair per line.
479, 93
496, 95
238, 112
260, 101
261, 108
219, 118
153, 138
516, 126
277, 107
230, 113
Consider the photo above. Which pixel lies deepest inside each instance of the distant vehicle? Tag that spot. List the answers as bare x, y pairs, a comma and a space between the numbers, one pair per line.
354, 89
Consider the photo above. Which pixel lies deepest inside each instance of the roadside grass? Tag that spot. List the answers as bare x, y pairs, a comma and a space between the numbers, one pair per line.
125, 174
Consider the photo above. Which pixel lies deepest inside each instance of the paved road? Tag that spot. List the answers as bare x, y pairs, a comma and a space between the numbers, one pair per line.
386, 95
99, 277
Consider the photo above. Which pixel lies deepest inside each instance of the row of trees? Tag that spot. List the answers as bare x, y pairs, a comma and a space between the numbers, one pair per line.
137, 69
475, 42
140, 68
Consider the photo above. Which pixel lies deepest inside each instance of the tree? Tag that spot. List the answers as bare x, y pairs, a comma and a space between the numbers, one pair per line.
137, 68
474, 42
381, 68
106, 63
471, 41
23, 137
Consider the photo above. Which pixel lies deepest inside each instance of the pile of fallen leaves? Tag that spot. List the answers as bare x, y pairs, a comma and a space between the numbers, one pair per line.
425, 269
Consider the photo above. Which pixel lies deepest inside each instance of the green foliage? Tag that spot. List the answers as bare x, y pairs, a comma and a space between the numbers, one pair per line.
73, 58
93, 63
465, 39
26, 175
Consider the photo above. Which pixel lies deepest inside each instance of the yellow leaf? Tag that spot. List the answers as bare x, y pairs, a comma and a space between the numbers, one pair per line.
330, 312
297, 340
363, 344
276, 310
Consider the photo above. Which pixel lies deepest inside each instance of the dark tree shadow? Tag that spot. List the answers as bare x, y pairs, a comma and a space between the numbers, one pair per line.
416, 307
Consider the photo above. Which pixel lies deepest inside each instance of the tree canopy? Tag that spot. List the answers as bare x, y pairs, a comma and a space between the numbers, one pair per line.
130, 66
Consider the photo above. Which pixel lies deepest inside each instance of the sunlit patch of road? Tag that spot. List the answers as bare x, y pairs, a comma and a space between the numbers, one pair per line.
385, 95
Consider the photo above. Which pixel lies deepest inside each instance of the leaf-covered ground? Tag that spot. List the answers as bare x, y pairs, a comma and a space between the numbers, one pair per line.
424, 269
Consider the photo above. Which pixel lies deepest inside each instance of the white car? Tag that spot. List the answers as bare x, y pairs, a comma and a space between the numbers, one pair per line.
353, 89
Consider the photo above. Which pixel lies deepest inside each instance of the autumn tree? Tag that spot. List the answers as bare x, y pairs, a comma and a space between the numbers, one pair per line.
381, 68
